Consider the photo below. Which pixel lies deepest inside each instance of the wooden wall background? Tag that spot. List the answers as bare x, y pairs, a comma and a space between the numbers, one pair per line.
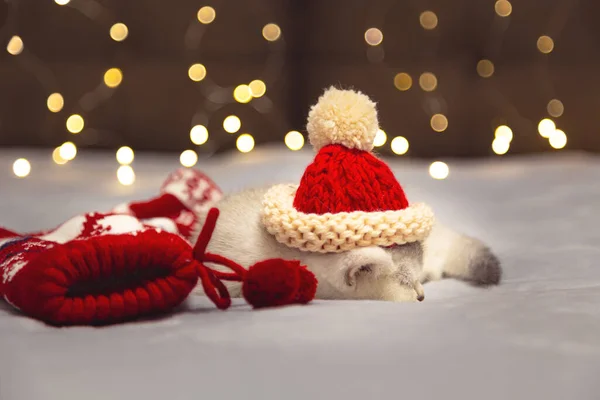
68, 49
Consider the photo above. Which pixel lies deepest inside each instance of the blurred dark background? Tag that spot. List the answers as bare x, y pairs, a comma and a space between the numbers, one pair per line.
540, 60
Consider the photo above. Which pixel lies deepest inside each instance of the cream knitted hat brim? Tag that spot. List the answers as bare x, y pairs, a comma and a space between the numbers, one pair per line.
334, 233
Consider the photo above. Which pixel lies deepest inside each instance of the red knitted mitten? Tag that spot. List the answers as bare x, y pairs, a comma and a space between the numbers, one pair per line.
102, 268
96, 269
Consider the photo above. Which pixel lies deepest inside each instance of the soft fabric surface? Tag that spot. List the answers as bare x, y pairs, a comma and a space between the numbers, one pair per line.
537, 336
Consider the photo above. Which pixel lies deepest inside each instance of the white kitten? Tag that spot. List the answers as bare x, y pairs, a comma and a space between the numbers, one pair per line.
392, 274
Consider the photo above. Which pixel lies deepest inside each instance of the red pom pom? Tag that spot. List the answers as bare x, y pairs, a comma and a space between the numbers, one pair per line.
273, 282
308, 286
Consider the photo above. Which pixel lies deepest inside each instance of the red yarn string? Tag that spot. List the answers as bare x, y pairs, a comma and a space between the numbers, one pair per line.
217, 259
206, 233
212, 285
227, 276
212, 279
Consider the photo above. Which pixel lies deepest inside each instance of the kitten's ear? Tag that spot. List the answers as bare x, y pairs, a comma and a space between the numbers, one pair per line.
368, 262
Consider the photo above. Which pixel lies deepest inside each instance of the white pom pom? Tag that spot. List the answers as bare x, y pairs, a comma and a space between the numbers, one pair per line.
343, 117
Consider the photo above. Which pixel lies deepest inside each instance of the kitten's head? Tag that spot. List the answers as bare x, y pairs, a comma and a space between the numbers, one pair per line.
375, 273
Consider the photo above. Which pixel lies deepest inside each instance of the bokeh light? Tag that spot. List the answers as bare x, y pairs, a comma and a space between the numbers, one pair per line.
119, 31
242, 94
21, 167
428, 81
57, 158
545, 44
485, 68
373, 36
380, 138
555, 108
68, 151
197, 72
125, 155
428, 20
439, 170
62, 2
294, 140
257, 88
15, 45
245, 143
232, 124
188, 158
75, 123
113, 77
500, 145
503, 132
439, 122
558, 139
546, 127
199, 135
206, 14
503, 8
399, 145
125, 175
55, 102
402, 81
271, 32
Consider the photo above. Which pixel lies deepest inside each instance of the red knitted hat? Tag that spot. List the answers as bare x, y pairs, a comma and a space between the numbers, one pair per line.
347, 197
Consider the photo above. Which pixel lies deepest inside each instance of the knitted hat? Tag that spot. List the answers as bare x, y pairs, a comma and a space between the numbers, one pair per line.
347, 197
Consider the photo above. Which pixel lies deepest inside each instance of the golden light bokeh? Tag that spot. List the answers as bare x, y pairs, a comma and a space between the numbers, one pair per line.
125, 155
119, 31
113, 77
439, 170
373, 36
439, 122
402, 81
125, 175
197, 72
245, 143
294, 140
428, 20
199, 135
558, 139
257, 88
485, 68
242, 94
206, 14
500, 145
555, 108
546, 127
232, 124
399, 145
428, 81
503, 8
545, 44
62, 2
67, 151
75, 123
57, 158
271, 32
188, 158
380, 138
55, 102
15, 45
21, 167
503, 132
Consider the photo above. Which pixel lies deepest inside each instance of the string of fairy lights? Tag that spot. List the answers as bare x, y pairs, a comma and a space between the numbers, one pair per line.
254, 93
428, 82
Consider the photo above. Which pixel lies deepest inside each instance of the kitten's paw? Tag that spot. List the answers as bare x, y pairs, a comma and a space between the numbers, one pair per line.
485, 268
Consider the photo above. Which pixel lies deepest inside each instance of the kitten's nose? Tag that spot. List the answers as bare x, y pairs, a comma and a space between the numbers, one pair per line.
420, 297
